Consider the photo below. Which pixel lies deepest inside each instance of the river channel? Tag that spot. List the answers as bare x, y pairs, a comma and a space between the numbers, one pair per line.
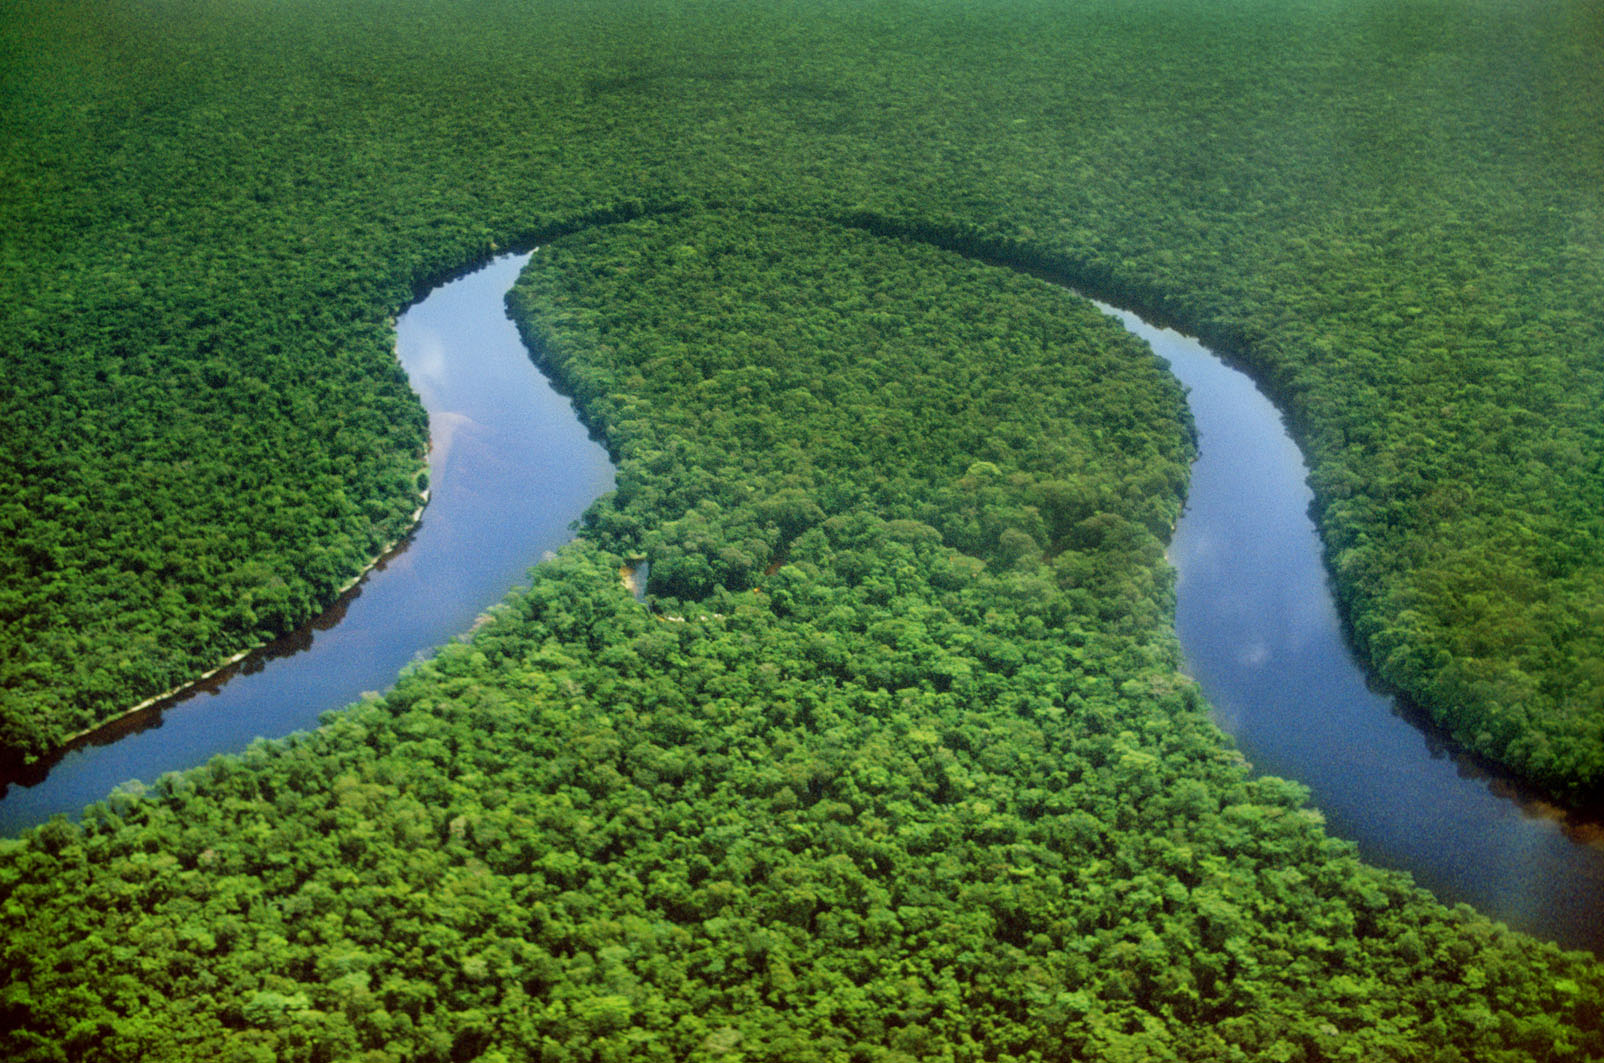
1259, 628
511, 467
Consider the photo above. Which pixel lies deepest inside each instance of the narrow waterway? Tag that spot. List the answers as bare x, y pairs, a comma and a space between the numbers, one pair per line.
510, 469
1259, 628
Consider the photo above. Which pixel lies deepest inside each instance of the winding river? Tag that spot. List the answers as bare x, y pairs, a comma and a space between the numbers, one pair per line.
1259, 628
511, 468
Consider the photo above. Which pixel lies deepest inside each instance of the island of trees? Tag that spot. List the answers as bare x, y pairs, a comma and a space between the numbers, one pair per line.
896, 763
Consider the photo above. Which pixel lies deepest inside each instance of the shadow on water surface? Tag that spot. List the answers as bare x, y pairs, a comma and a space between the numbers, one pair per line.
254, 662
1262, 638
1260, 632
512, 470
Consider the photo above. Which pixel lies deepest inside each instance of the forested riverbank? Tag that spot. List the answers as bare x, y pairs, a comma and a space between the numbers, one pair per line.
211, 214
933, 786
510, 470
1380, 211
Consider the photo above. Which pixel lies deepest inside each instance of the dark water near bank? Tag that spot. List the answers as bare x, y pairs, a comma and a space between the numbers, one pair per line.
510, 469
1260, 631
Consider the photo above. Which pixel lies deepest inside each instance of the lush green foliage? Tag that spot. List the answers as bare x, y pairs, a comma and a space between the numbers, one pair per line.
865, 788
1390, 211
934, 788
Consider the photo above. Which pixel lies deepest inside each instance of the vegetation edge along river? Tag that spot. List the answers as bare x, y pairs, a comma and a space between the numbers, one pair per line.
1578, 801
177, 692
208, 213
510, 470
1486, 834
1260, 631
1383, 289
892, 798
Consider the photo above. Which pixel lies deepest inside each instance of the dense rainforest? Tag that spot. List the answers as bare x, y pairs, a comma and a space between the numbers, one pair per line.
897, 763
1390, 212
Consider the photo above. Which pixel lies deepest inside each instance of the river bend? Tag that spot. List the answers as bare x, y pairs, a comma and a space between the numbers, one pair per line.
1259, 628
511, 467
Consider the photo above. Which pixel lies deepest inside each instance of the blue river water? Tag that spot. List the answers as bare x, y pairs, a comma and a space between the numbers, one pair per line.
510, 468
1259, 628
